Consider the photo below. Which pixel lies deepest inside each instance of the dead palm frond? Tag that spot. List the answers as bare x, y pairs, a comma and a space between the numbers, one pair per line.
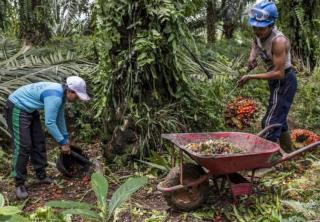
216, 67
309, 210
8, 48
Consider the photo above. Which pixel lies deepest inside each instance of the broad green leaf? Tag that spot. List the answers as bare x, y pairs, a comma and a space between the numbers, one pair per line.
124, 192
14, 218
171, 37
82, 212
155, 32
2, 201
100, 186
142, 56
66, 204
9, 210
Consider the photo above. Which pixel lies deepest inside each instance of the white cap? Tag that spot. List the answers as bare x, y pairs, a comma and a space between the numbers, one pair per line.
78, 85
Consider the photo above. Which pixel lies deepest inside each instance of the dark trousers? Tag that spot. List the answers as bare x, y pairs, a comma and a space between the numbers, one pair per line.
282, 92
28, 141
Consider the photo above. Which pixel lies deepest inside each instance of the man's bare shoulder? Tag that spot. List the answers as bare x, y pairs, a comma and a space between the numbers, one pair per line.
280, 43
280, 40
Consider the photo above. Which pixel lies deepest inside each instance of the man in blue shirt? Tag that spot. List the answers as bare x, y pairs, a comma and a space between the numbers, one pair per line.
23, 120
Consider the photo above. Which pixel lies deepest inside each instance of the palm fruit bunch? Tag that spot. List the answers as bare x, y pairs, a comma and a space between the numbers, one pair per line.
302, 137
240, 112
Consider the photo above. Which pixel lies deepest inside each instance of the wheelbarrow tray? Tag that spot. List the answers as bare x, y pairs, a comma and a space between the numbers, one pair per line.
258, 151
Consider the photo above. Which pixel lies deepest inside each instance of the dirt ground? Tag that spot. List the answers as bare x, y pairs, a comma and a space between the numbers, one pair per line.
146, 205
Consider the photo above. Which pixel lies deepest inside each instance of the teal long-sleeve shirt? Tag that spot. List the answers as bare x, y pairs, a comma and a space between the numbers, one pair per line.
48, 96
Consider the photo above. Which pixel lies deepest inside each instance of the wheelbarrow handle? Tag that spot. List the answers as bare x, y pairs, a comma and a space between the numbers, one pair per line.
196, 182
79, 157
268, 128
296, 153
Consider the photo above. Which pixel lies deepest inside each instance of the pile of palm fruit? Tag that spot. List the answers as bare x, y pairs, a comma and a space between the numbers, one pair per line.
240, 112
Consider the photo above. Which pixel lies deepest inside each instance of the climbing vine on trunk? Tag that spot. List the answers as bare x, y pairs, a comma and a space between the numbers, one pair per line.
137, 43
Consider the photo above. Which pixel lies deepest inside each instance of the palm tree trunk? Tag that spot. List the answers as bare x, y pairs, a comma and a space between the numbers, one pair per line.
211, 21
33, 15
228, 30
3, 8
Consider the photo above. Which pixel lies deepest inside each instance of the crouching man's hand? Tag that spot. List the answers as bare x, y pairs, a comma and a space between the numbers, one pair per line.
65, 149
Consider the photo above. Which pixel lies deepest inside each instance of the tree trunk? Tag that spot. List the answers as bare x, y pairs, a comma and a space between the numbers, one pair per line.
228, 30
211, 21
33, 15
3, 8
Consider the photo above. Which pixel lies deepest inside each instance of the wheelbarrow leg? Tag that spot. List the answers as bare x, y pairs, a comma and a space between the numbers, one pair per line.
223, 183
173, 158
181, 166
252, 176
216, 185
235, 200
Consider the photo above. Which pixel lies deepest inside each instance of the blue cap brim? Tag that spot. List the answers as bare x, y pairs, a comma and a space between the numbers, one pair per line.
260, 24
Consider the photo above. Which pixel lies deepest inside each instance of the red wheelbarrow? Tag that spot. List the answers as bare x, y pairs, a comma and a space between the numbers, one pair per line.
186, 187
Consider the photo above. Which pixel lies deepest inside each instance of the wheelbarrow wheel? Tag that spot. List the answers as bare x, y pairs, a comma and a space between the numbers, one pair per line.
190, 198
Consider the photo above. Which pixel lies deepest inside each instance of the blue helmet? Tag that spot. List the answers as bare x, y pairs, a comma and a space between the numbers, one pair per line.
263, 14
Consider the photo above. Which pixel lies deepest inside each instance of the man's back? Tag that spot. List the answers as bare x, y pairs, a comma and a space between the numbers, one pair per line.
30, 97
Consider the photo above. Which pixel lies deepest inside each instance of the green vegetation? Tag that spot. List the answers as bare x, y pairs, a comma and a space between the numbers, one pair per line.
154, 67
